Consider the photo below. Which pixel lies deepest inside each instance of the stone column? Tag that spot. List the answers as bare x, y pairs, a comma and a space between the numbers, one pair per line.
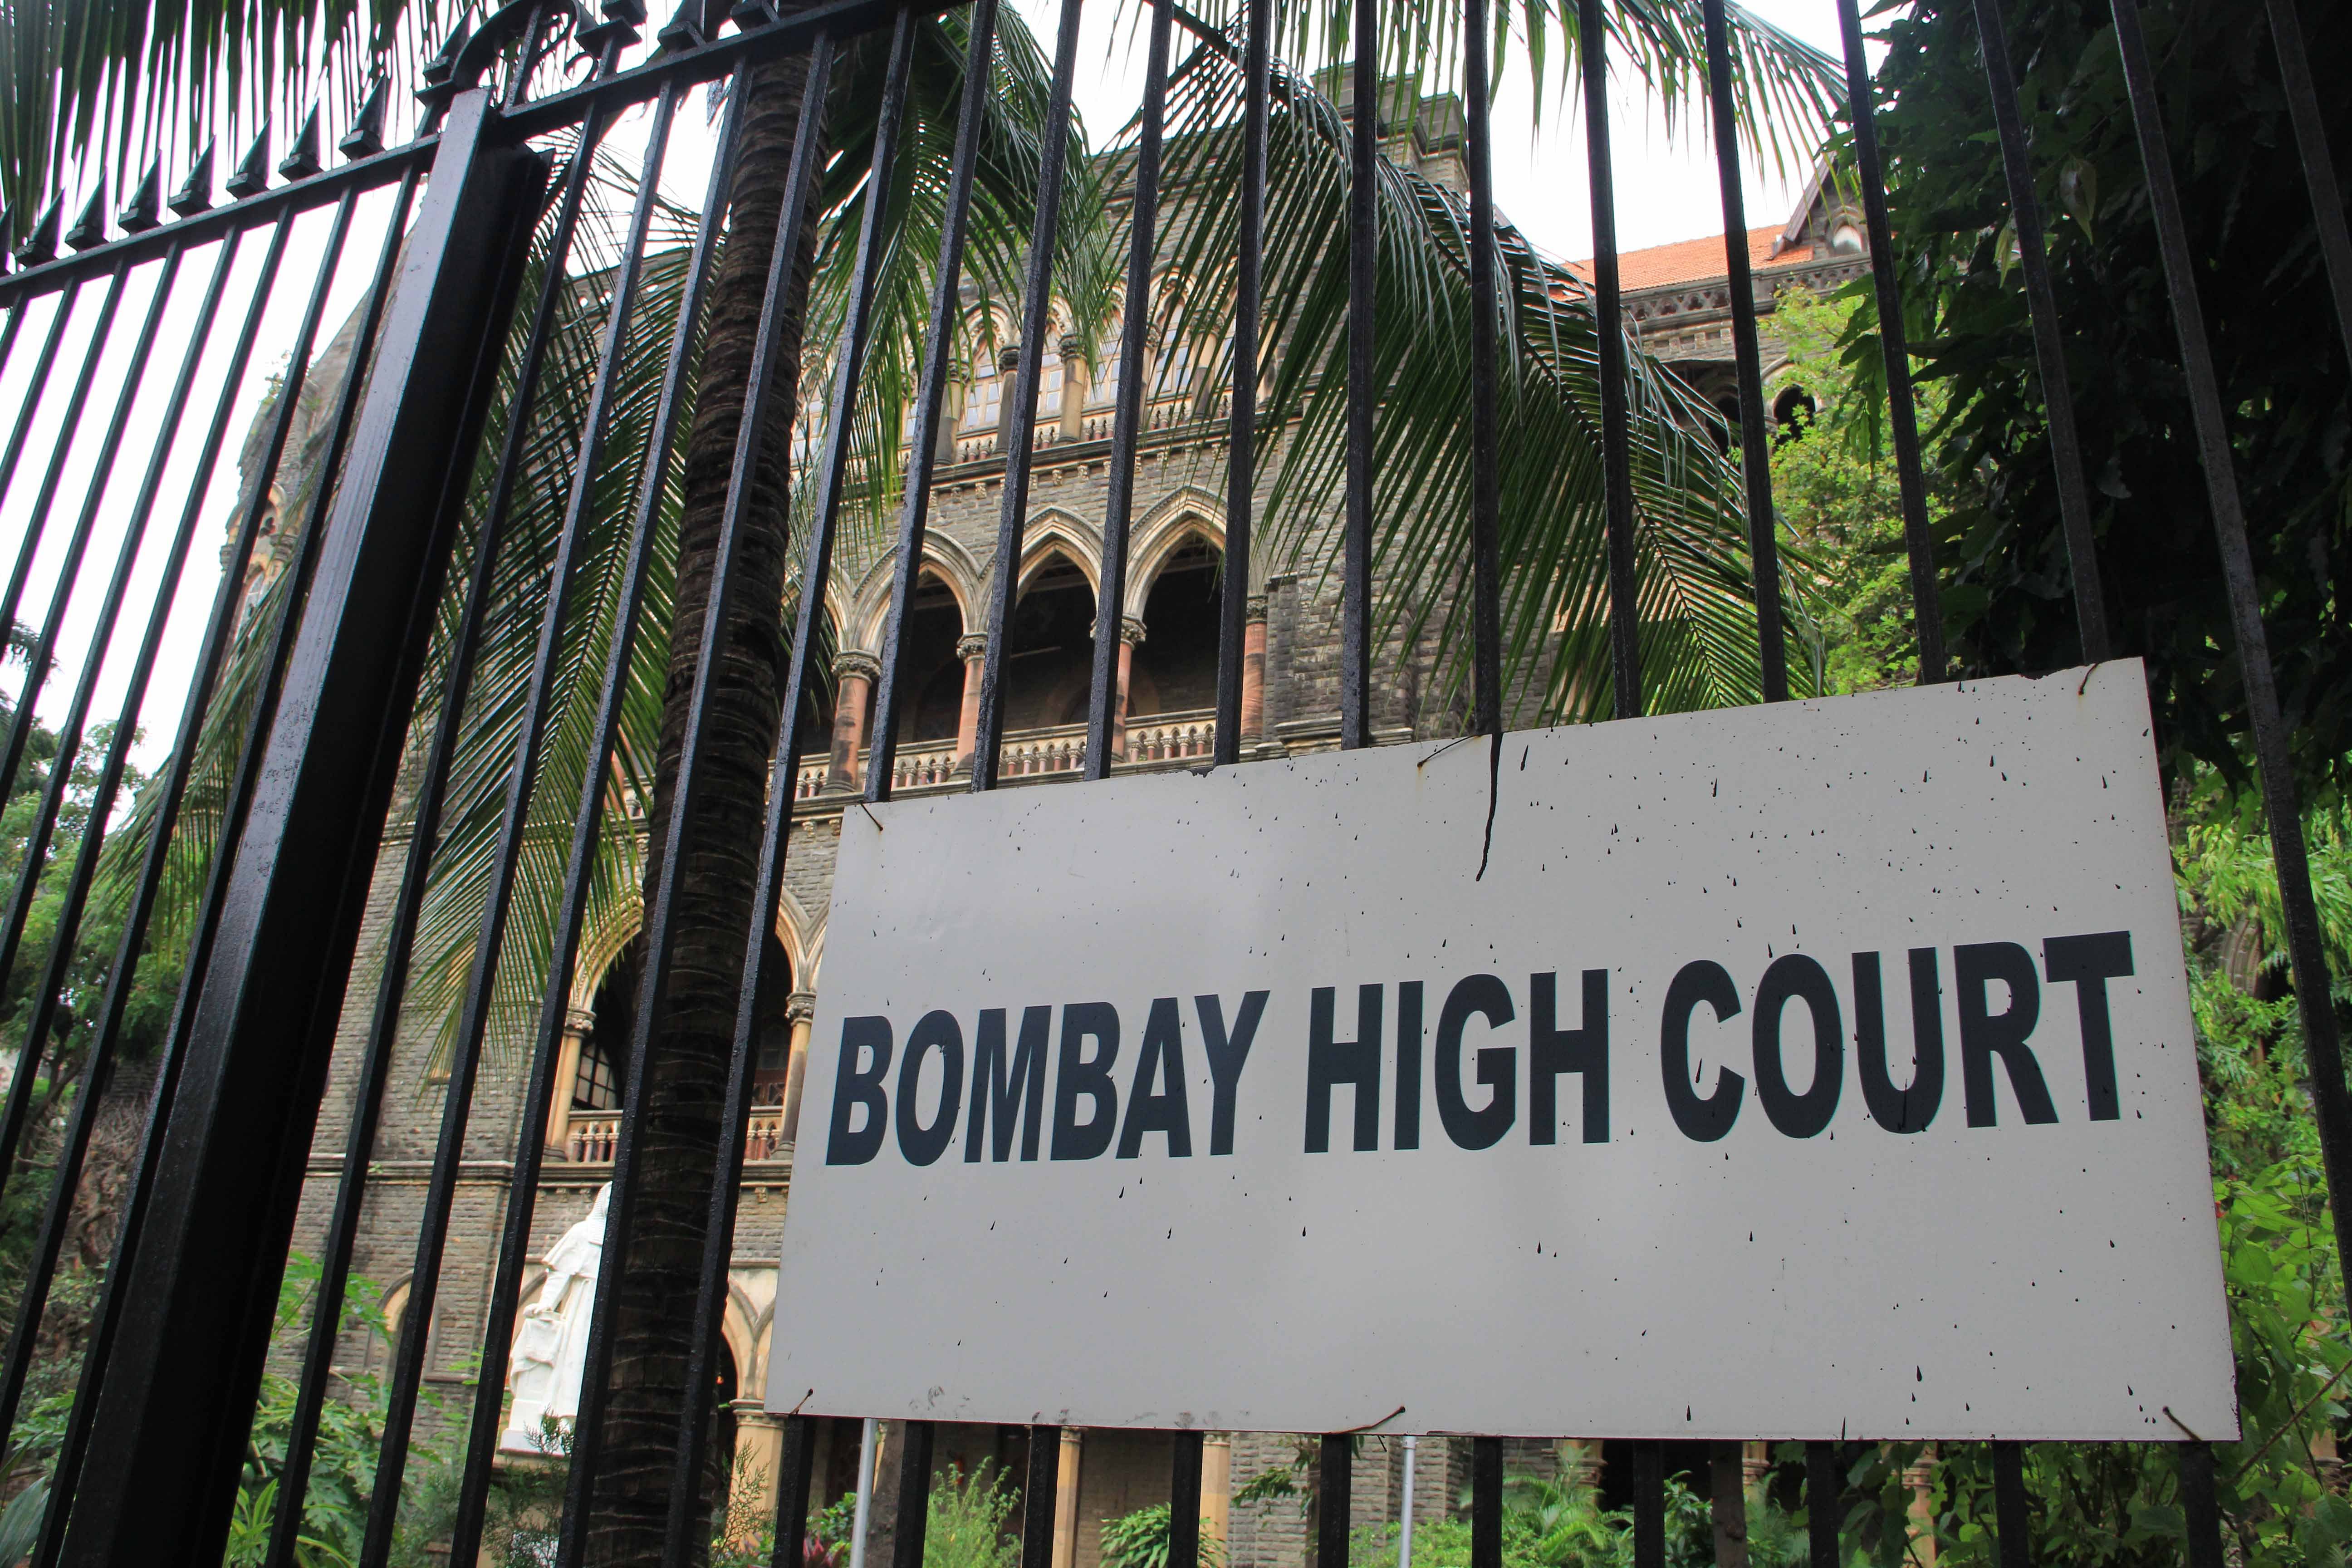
576, 1024
1008, 363
855, 671
1254, 670
758, 1455
799, 1007
1755, 1464
1920, 1476
1130, 632
1074, 387
1217, 1490
1066, 1498
952, 406
1579, 1461
973, 650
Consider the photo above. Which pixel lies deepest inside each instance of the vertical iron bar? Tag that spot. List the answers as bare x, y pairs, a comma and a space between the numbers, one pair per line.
1040, 1491
1823, 1496
255, 506
661, 912
1902, 412
938, 350
1240, 472
37, 666
1036, 314
464, 1055
2201, 1510
2049, 341
1487, 302
1486, 1502
706, 1340
1609, 320
1363, 290
2009, 1506
914, 1495
522, 1193
1746, 356
1107, 690
793, 1464
1335, 1499
175, 1413
1184, 1500
2331, 1104
70, 732
59, 1213
2318, 162
13, 594
1649, 1504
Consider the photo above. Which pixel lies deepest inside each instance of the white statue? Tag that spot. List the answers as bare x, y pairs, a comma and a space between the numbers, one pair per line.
544, 1372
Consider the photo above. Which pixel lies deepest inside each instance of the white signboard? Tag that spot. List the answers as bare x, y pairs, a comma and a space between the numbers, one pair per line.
1798, 1071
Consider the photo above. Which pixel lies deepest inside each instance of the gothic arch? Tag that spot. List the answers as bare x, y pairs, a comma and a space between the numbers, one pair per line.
1176, 517
803, 936
599, 949
1054, 531
943, 558
739, 1326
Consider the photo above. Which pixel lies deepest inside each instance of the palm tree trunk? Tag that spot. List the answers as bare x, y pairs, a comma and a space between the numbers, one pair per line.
677, 1125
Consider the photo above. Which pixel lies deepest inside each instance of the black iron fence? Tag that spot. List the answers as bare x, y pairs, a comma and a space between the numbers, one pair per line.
423, 437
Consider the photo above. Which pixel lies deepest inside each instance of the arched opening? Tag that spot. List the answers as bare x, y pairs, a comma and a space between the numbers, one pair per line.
1175, 667
605, 1053
934, 675
1792, 413
772, 1030
719, 1468
1049, 659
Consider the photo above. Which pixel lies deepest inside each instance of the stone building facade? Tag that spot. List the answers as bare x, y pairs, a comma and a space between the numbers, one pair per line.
1168, 669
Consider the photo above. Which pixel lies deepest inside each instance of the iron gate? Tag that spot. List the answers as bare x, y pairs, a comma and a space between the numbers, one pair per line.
437, 393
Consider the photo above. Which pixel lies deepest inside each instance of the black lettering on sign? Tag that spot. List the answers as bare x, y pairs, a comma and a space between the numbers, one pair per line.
1702, 1120
2089, 963
1016, 1094
1796, 975
1484, 996
1228, 1054
934, 1031
1163, 1109
1356, 1062
1408, 1073
1086, 1077
1553, 1051
1985, 1034
1900, 1110
860, 1089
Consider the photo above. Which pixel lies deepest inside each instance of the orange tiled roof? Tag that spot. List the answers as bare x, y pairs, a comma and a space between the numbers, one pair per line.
1690, 261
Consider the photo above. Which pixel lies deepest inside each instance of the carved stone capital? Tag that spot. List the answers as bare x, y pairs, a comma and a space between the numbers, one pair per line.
1072, 346
972, 646
800, 1006
1008, 359
853, 663
578, 1021
1254, 608
1130, 629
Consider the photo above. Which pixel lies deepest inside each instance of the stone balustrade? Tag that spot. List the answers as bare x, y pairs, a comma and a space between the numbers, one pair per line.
593, 1133
1156, 738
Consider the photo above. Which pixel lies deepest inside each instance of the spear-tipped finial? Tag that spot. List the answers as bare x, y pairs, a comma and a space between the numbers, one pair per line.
252, 177
42, 243
89, 231
365, 138
138, 215
439, 68
684, 29
303, 162
195, 192
751, 14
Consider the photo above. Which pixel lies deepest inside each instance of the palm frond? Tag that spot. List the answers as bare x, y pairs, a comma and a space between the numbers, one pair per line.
1696, 595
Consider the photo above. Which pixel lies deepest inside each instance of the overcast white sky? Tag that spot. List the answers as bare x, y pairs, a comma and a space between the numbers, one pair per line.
1665, 192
